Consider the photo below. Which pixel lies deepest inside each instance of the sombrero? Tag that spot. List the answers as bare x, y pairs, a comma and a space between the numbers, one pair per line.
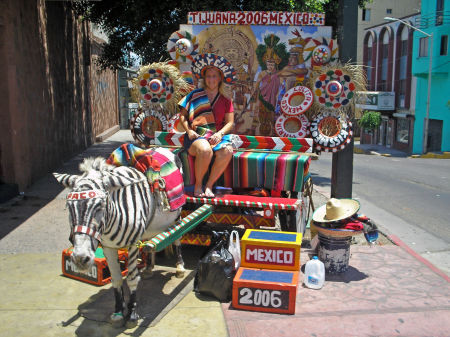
202, 62
335, 210
182, 46
334, 89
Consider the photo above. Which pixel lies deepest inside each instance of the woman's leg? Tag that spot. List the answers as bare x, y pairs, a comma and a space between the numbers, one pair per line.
223, 157
201, 150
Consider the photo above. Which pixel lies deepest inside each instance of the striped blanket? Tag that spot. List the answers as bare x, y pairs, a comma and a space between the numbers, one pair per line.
154, 165
274, 171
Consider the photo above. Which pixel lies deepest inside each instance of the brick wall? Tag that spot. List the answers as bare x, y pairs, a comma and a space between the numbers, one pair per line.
51, 103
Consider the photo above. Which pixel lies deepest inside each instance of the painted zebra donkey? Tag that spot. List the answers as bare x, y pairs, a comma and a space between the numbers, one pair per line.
116, 207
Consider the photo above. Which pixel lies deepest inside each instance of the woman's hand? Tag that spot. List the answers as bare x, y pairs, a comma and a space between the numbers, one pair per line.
192, 134
215, 138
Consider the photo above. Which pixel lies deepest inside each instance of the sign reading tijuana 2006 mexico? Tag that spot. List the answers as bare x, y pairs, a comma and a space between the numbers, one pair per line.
256, 18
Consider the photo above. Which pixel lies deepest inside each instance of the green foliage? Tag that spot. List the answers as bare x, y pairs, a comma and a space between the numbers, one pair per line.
143, 26
370, 120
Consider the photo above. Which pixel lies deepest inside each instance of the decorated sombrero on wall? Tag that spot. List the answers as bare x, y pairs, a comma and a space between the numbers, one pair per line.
161, 84
144, 124
334, 89
331, 133
319, 52
203, 61
182, 46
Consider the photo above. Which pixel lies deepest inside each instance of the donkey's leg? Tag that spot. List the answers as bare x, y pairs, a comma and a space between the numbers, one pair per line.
147, 272
112, 259
180, 262
132, 280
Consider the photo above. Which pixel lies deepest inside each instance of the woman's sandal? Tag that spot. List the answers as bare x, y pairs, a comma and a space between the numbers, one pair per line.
200, 194
210, 195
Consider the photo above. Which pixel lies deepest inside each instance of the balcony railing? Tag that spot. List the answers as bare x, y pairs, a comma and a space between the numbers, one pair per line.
438, 18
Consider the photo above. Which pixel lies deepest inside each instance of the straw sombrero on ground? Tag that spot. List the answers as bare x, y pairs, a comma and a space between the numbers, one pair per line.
335, 210
204, 61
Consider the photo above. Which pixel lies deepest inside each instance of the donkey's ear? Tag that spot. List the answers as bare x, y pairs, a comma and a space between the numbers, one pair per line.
67, 180
112, 181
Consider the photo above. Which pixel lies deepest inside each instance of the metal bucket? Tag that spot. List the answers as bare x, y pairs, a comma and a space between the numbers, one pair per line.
334, 252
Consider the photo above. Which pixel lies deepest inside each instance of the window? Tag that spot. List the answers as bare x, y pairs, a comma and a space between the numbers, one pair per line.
402, 130
369, 64
423, 46
366, 14
444, 45
388, 10
402, 72
384, 54
439, 12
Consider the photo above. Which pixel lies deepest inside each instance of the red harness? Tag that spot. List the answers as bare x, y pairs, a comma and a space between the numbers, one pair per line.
90, 194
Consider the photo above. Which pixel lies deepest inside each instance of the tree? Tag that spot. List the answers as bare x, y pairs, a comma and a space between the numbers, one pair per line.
370, 120
143, 27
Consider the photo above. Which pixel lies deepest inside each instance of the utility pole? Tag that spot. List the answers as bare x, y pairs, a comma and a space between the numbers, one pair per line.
347, 35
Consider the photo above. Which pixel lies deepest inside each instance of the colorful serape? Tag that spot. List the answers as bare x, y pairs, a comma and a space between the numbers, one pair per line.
199, 111
188, 163
154, 165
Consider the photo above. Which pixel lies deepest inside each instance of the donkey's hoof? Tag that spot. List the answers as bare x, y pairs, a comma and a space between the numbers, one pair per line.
131, 324
117, 320
146, 274
132, 321
180, 270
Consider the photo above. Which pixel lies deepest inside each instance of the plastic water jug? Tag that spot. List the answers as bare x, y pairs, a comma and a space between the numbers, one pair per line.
314, 273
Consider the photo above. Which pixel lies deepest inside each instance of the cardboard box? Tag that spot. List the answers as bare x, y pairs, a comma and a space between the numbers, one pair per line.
265, 290
271, 249
99, 273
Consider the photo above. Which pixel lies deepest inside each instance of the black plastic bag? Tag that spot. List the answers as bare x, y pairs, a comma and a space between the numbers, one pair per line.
215, 270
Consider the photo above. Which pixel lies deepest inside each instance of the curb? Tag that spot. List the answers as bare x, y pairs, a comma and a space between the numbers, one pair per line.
106, 134
370, 152
397, 241
444, 155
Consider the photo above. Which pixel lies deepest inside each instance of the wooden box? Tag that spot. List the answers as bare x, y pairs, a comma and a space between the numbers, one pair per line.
99, 273
265, 290
271, 249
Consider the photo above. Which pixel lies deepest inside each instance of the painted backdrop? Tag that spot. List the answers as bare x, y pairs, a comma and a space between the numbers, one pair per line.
269, 60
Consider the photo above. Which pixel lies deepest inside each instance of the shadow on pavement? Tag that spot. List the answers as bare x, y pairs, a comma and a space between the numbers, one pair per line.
351, 275
154, 295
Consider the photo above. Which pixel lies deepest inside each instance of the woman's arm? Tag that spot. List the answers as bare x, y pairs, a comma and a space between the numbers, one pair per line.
184, 123
227, 128
229, 124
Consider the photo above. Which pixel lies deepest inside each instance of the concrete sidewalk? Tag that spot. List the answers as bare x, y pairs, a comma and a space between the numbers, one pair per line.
388, 290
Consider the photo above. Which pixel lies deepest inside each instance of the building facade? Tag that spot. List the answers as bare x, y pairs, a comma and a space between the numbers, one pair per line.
374, 14
432, 51
387, 57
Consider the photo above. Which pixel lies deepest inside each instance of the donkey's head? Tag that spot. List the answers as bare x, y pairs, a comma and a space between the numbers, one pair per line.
87, 204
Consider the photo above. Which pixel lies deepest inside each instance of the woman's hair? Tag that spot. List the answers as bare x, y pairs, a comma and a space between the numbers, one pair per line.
222, 89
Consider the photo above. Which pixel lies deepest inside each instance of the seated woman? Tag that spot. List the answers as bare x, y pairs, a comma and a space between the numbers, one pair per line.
207, 116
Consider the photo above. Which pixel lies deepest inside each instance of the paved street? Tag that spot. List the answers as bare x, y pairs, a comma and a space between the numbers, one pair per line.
412, 195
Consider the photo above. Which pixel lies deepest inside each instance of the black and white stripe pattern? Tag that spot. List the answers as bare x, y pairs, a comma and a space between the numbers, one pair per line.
127, 209
115, 204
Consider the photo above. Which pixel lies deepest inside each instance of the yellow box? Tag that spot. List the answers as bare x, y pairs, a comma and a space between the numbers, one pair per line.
271, 249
